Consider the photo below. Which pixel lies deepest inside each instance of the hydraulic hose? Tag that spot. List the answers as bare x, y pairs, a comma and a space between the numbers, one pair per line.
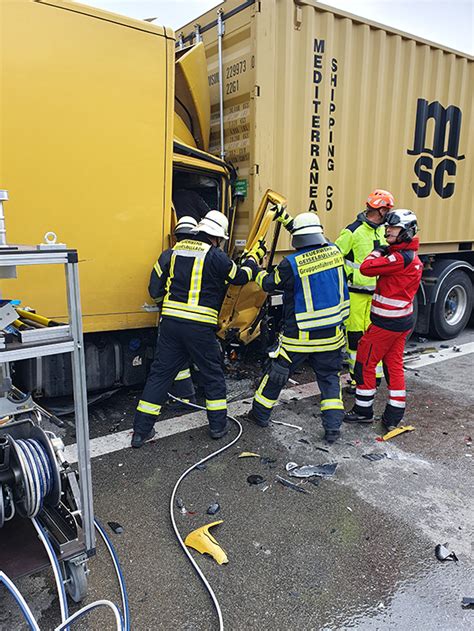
118, 570
37, 474
56, 569
172, 502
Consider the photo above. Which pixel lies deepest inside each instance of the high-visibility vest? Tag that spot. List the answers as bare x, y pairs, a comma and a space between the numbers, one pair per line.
321, 295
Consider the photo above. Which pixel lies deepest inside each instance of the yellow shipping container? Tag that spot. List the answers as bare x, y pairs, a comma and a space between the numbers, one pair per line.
324, 106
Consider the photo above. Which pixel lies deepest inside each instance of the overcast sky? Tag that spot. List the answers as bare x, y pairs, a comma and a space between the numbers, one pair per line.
449, 23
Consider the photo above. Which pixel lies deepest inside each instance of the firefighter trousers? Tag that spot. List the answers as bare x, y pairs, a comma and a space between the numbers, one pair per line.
327, 367
386, 346
356, 325
179, 344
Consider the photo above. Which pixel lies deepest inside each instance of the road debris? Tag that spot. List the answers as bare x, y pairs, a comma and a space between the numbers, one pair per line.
468, 441
256, 479
202, 541
290, 485
443, 554
213, 509
266, 460
349, 509
309, 470
467, 602
249, 454
115, 527
395, 432
287, 425
375, 456
201, 467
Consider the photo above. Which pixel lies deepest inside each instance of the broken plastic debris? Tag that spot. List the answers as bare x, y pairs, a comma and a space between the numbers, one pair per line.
266, 460
202, 541
443, 554
290, 485
213, 509
349, 509
309, 470
374, 456
467, 602
255, 479
116, 527
201, 467
468, 441
249, 454
397, 431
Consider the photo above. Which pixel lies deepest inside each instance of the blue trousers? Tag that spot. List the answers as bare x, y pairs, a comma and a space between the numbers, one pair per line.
327, 366
180, 343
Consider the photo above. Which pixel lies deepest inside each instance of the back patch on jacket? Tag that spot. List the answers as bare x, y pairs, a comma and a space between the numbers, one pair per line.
318, 260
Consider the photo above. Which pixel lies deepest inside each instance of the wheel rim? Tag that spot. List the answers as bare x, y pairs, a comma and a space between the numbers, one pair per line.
455, 305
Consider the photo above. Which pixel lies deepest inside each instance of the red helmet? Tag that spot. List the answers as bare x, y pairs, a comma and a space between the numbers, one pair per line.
380, 199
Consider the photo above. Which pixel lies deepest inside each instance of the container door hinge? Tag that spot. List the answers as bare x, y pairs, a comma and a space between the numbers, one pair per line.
298, 17
256, 90
254, 170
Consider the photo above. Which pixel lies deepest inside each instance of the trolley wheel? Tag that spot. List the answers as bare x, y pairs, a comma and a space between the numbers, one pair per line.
76, 580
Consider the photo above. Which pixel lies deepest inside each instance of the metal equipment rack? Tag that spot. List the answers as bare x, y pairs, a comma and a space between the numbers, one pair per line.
71, 531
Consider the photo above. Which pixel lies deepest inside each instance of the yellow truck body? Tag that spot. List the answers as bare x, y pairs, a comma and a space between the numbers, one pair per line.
324, 106
87, 105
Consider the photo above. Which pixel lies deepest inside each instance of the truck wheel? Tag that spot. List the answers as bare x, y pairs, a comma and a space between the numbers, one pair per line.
452, 309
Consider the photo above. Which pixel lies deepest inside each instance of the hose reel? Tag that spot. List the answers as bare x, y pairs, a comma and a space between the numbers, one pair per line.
29, 471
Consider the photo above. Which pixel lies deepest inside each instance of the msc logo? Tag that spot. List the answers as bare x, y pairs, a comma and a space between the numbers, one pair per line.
429, 170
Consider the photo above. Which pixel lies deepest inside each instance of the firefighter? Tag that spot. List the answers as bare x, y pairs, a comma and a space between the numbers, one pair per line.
399, 271
356, 241
192, 276
315, 305
183, 386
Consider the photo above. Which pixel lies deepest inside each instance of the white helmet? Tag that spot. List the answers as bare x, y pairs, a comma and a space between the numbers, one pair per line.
307, 230
186, 225
406, 220
215, 224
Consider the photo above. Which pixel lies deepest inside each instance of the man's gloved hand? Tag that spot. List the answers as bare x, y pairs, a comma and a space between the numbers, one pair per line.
258, 251
279, 374
382, 249
283, 216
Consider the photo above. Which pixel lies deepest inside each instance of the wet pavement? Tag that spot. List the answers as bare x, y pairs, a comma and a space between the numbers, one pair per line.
354, 552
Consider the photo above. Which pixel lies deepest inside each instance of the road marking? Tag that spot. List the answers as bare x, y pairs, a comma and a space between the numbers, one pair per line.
121, 440
440, 356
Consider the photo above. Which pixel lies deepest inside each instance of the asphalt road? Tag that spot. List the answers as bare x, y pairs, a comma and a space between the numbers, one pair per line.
355, 551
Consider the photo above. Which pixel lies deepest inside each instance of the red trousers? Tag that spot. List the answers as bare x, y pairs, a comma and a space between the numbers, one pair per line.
387, 346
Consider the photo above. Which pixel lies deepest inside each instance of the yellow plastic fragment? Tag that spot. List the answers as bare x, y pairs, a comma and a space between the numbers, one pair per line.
249, 454
202, 541
397, 431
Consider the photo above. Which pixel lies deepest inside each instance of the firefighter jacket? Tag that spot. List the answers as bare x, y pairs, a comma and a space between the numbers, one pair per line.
399, 276
356, 241
189, 280
315, 298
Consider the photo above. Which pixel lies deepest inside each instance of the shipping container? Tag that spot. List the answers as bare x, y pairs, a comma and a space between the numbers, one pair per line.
324, 106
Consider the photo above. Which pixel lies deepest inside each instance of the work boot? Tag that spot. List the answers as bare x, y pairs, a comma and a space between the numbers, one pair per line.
351, 387
220, 433
331, 435
355, 417
251, 418
389, 425
138, 440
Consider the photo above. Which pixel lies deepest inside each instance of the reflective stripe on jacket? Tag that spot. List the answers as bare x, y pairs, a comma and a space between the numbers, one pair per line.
190, 280
355, 242
399, 276
321, 295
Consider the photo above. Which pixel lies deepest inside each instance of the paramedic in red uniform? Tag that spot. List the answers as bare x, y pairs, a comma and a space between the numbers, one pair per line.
399, 273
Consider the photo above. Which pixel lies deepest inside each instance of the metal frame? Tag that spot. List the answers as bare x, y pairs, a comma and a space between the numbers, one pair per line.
72, 344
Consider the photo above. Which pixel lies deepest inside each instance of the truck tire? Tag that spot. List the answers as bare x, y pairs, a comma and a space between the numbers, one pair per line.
452, 309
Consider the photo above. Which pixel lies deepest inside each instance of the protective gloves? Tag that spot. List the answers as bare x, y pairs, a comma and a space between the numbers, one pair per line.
382, 249
283, 216
258, 251
279, 374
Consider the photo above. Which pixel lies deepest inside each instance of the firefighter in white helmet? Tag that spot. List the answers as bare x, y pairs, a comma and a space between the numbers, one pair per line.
191, 288
315, 305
